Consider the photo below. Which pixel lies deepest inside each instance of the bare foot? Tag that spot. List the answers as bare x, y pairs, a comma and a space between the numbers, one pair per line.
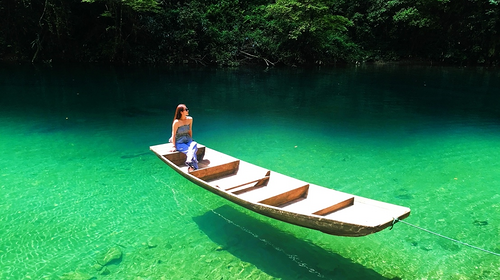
190, 169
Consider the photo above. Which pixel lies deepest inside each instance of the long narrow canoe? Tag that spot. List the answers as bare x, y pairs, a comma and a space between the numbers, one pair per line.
282, 197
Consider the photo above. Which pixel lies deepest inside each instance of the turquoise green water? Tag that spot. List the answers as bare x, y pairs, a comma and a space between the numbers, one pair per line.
77, 180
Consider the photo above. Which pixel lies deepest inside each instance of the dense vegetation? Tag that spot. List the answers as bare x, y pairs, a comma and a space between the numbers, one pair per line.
234, 32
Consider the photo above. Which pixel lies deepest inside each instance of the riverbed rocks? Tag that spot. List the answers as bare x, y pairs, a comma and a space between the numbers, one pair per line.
113, 255
76, 275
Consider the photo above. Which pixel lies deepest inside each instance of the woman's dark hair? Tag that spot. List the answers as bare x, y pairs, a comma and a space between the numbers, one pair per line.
179, 110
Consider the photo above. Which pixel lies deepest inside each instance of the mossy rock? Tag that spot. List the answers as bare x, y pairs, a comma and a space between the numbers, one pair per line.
76, 275
112, 256
153, 242
105, 271
97, 267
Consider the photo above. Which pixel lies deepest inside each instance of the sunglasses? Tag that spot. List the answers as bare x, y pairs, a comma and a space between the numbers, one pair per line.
186, 109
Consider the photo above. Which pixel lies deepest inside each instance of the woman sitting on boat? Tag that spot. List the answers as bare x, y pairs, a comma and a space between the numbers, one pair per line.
182, 134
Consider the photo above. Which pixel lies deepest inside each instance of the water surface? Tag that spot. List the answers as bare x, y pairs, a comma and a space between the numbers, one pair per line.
77, 180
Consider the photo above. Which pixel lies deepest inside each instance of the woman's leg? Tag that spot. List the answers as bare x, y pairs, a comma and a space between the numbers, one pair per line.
191, 158
189, 149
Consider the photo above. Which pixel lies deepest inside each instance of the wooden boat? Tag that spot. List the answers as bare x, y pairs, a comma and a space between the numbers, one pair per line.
282, 197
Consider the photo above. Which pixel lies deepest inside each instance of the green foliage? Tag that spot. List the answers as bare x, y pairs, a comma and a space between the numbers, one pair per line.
235, 32
136, 5
123, 25
412, 17
438, 30
304, 31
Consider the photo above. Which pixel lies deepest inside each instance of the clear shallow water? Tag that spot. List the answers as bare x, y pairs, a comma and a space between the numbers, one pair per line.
77, 178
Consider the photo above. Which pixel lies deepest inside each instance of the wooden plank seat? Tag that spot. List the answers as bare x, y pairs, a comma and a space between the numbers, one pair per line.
277, 185
320, 202
216, 171
237, 184
241, 179
287, 197
177, 157
251, 186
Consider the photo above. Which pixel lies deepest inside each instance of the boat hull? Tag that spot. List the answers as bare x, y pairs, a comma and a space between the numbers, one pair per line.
284, 198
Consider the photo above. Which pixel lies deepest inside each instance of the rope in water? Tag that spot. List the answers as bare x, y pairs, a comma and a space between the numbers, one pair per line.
302, 264
395, 220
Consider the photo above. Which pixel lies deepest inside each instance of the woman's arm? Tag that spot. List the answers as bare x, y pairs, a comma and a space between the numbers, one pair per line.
175, 124
191, 127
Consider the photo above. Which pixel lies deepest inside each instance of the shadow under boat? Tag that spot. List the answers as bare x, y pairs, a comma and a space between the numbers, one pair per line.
275, 252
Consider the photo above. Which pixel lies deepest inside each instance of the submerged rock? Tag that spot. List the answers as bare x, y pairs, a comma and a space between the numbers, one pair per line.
220, 248
97, 267
105, 271
113, 255
480, 223
76, 275
153, 242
